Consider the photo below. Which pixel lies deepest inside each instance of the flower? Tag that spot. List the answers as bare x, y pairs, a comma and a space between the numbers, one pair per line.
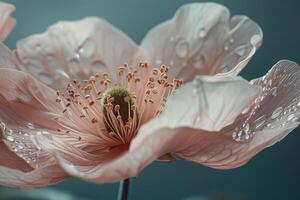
7, 23
69, 106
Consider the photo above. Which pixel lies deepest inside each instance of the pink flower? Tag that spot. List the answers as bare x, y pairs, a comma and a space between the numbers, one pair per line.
7, 23
122, 117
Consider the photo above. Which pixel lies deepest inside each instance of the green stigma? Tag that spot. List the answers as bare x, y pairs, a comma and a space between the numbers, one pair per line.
119, 101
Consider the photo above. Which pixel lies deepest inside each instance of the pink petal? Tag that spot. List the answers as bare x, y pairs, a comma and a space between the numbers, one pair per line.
34, 137
7, 23
209, 103
202, 39
79, 152
276, 109
7, 58
40, 177
128, 165
11, 160
20, 94
78, 49
268, 119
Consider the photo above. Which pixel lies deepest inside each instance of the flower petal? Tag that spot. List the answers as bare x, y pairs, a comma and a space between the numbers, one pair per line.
128, 165
7, 58
209, 102
11, 160
78, 152
202, 39
269, 118
20, 94
69, 50
40, 177
275, 110
7, 23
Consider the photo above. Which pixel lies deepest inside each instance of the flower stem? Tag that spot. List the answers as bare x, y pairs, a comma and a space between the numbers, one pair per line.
124, 189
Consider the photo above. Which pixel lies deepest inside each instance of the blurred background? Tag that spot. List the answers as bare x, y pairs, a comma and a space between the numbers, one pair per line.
273, 174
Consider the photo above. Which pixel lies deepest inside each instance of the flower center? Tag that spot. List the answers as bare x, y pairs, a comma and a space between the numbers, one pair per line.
120, 113
114, 108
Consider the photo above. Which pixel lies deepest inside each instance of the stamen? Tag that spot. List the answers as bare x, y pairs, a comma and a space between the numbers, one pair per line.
115, 111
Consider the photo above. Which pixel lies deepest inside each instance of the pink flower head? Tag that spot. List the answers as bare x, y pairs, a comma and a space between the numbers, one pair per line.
70, 106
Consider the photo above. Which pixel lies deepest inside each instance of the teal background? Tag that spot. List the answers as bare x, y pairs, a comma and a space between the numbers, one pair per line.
273, 174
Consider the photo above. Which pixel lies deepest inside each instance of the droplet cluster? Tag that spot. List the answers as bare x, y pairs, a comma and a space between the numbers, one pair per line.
277, 106
20, 143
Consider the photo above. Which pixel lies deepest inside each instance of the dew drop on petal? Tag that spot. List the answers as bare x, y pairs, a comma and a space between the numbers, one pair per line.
273, 91
10, 138
259, 122
76, 57
276, 112
2, 125
247, 128
182, 47
30, 125
226, 47
291, 118
202, 33
88, 48
62, 73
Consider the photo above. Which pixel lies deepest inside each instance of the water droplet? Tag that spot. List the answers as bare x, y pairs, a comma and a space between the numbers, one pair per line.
20, 147
276, 112
2, 125
10, 138
270, 82
247, 128
298, 104
76, 57
226, 47
30, 125
247, 137
8, 132
182, 48
291, 117
62, 73
240, 133
259, 122
231, 40
202, 33
273, 91
234, 135
87, 49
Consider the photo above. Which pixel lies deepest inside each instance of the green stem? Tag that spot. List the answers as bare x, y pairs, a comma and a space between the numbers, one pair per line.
124, 189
